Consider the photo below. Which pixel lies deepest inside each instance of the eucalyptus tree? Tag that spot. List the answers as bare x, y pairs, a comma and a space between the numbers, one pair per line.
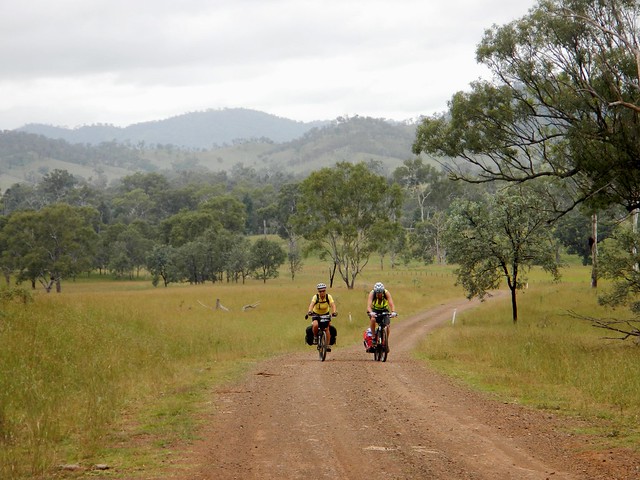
279, 215
141, 196
128, 252
499, 238
120, 263
152, 184
265, 257
345, 213
187, 226
620, 259
416, 178
426, 239
192, 260
161, 263
176, 199
20, 196
238, 259
133, 205
564, 102
49, 244
57, 186
228, 211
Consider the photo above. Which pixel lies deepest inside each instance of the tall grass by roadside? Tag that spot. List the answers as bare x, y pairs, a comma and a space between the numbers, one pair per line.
116, 372
550, 359
119, 372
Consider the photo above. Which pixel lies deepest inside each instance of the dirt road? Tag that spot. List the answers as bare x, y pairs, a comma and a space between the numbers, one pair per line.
349, 417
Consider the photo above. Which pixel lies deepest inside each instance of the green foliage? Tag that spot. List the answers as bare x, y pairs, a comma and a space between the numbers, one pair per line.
114, 372
228, 211
499, 238
187, 226
619, 261
160, 263
201, 149
11, 294
49, 244
265, 257
551, 360
346, 213
562, 105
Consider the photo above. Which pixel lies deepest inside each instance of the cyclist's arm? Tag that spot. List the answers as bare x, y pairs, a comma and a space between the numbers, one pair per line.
311, 305
390, 300
370, 301
332, 304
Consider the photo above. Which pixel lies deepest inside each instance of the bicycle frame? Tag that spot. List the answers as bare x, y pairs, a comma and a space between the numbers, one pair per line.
323, 338
380, 347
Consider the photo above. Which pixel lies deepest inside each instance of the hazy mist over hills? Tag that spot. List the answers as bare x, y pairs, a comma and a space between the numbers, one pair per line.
214, 141
199, 130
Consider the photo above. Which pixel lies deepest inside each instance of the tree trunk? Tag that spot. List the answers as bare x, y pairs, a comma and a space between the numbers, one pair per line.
635, 230
514, 304
332, 274
594, 250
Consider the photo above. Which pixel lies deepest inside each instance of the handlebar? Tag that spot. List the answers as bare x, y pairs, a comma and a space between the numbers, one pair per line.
316, 316
383, 314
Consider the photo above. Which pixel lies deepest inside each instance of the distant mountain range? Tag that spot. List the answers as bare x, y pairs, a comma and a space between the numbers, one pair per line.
215, 140
200, 130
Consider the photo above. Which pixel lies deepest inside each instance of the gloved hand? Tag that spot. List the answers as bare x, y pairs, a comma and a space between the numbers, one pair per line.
309, 313
334, 314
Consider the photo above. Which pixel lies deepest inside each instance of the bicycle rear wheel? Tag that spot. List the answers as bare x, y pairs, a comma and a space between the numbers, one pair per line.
377, 346
322, 345
384, 347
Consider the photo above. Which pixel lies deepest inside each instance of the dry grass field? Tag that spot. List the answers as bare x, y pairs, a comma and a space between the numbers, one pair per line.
119, 371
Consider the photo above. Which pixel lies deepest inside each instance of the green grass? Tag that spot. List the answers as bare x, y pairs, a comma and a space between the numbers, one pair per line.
550, 359
121, 373
117, 372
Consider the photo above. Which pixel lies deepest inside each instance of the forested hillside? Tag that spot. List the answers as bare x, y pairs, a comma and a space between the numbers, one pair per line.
27, 157
195, 130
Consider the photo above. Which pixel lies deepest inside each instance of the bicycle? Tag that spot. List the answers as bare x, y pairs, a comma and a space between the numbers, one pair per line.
323, 341
380, 348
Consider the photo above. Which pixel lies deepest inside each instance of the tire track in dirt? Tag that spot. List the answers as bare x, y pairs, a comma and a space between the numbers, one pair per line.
352, 418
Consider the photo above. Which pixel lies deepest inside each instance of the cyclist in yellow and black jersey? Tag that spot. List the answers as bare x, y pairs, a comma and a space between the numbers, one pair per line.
379, 301
321, 304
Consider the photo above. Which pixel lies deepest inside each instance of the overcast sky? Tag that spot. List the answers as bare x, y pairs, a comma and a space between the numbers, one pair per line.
79, 62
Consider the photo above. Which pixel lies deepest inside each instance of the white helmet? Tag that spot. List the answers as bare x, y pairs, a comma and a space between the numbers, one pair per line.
321, 286
378, 288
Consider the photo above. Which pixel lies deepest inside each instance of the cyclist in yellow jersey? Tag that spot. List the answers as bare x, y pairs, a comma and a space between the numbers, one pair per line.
321, 304
379, 301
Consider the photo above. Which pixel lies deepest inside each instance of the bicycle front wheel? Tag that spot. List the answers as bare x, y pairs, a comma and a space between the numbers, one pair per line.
377, 346
384, 345
322, 345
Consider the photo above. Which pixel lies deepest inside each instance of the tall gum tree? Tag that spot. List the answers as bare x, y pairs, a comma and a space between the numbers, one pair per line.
50, 244
500, 237
564, 102
345, 213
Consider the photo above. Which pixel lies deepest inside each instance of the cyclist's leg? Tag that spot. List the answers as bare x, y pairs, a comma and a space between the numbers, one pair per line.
386, 342
388, 333
372, 325
324, 327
